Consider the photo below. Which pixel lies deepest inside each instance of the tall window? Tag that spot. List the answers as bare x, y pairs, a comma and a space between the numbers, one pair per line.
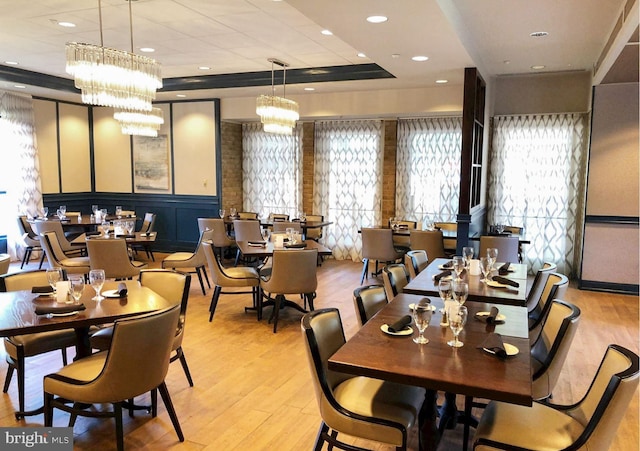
428, 169
271, 171
348, 182
536, 181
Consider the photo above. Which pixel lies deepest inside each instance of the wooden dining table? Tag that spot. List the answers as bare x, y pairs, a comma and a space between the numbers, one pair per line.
138, 238
469, 370
267, 249
425, 284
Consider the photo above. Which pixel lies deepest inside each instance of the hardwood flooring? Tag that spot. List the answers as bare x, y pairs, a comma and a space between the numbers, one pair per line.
252, 387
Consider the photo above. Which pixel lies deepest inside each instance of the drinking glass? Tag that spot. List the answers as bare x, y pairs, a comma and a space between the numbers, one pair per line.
94, 208
492, 253
467, 253
290, 231
422, 318
222, 213
266, 234
104, 228
459, 264
234, 212
485, 267
77, 286
54, 275
457, 320
445, 290
63, 210
118, 211
103, 213
96, 279
460, 291
499, 228
45, 212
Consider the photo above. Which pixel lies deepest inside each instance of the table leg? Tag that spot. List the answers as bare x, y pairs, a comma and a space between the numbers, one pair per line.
429, 437
448, 412
83, 344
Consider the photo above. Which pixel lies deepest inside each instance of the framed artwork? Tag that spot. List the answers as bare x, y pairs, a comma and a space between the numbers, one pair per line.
151, 163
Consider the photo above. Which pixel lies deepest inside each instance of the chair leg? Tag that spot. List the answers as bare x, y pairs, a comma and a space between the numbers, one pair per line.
237, 257
276, 311
20, 373
7, 378
198, 269
214, 301
41, 259
48, 409
185, 367
154, 403
26, 257
64, 356
320, 437
117, 412
365, 269
164, 392
310, 297
204, 271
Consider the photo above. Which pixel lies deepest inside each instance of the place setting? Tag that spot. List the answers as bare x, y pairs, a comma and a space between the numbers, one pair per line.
494, 345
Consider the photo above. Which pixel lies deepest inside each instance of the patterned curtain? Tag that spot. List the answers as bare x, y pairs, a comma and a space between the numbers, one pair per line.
21, 173
428, 169
537, 181
271, 171
348, 182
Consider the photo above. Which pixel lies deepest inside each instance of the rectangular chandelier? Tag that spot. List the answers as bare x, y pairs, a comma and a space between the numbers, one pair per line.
277, 114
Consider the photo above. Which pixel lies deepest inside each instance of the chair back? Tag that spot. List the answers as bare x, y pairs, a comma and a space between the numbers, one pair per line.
416, 261
377, 244
513, 229
5, 262
554, 288
148, 223
550, 350
507, 247
368, 300
112, 255
29, 236
279, 217
218, 276
430, 241
316, 232
55, 227
247, 215
449, 243
52, 249
206, 224
25, 280
539, 282
247, 230
219, 235
282, 226
293, 272
395, 277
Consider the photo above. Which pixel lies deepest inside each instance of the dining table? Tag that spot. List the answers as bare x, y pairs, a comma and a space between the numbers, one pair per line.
469, 370
426, 283
263, 249
137, 238
304, 225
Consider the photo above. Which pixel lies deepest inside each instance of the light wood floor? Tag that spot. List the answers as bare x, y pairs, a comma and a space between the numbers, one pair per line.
252, 389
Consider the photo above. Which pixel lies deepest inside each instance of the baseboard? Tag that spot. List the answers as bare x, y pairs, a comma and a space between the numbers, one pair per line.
620, 288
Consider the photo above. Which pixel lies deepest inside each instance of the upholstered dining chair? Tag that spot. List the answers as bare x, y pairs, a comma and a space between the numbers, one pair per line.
112, 255
403, 243
293, 272
377, 245
30, 241
247, 215
450, 243
136, 363
368, 300
56, 257
20, 347
282, 226
195, 260
357, 406
279, 217
148, 226
555, 288
539, 282
430, 241
416, 261
220, 238
246, 230
507, 247
314, 233
395, 277
70, 250
235, 277
590, 423
5, 262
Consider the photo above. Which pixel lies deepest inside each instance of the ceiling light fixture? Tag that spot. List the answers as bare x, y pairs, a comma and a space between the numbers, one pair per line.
277, 114
538, 67
110, 77
420, 58
67, 24
441, 82
327, 32
140, 123
538, 34
11, 63
361, 55
377, 19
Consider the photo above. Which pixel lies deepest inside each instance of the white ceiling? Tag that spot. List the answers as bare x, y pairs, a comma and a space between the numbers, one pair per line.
237, 36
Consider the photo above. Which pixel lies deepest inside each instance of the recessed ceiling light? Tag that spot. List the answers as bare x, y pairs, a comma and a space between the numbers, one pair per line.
204, 67
11, 63
361, 55
377, 19
538, 34
420, 58
395, 55
66, 24
147, 49
442, 81
538, 67
309, 89
326, 32
19, 86
506, 62
181, 95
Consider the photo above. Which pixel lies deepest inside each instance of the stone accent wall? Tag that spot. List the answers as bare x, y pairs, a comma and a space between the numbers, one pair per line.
389, 170
231, 138
308, 166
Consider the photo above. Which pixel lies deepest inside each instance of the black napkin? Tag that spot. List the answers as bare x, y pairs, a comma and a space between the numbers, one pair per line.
92, 233
494, 343
125, 236
45, 310
42, 289
491, 317
504, 269
400, 325
261, 243
446, 273
122, 289
448, 265
296, 245
505, 281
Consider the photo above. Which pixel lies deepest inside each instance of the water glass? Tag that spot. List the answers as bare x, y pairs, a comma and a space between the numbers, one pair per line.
233, 212
63, 210
94, 208
457, 319
492, 254
119, 211
290, 234
422, 318
54, 275
485, 267
77, 287
104, 228
467, 253
460, 291
222, 213
45, 212
459, 264
96, 279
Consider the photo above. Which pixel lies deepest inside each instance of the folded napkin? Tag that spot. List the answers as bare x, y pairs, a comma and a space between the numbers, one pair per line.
261, 243
494, 343
92, 233
122, 289
296, 245
504, 269
446, 273
448, 265
400, 325
42, 289
491, 317
125, 236
505, 281
45, 310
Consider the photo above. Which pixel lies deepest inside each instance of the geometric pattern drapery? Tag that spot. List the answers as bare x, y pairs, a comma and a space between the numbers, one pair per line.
20, 172
537, 181
271, 171
348, 182
428, 169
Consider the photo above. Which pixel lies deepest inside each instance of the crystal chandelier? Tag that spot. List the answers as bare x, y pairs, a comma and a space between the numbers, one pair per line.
140, 123
277, 114
110, 77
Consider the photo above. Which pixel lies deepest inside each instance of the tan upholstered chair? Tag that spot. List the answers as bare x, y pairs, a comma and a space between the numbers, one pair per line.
395, 277
19, 347
507, 247
237, 277
430, 241
56, 257
247, 215
416, 261
5, 262
148, 226
220, 238
591, 423
555, 288
293, 272
70, 250
450, 244
315, 233
195, 259
136, 362
539, 282
279, 217
30, 241
377, 245
368, 300
246, 230
282, 226
403, 243
112, 255
357, 406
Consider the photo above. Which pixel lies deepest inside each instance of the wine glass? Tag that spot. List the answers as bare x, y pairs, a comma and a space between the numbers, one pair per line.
77, 286
234, 212
460, 291
485, 267
266, 234
459, 264
290, 231
104, 228
457, 319
96, 279
222, 213
63, 211
54, 275
422, 318
499, 228
94, 208
45, 212
445, 290
467, 253
492, 253
119, 211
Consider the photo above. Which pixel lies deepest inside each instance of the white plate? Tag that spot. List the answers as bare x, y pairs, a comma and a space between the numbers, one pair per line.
499, 317
64, 314
509, 348
443, 267
413, 306
111, 294
406, 331
494, 284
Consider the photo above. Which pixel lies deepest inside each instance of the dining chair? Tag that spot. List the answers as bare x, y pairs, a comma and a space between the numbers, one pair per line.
5, 262
539, 282
403, 243
395, 277
282, 226
30, 241
416, 261
377, 245
235, 277
357, 406
314, 233
221, 241
247, 215
112, 255
450, 244
56, 257
368, 300
507, 247
430, 241
195, 260
136, 363
70, 250
590, 423
555, 288
279, 217
20, 347
148, 226
246, 230
293, 272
